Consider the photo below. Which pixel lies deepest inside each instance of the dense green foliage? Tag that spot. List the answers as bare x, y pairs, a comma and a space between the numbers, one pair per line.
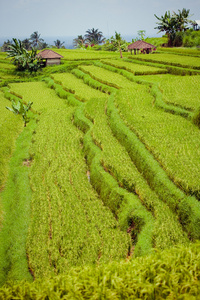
23, 59
173, 25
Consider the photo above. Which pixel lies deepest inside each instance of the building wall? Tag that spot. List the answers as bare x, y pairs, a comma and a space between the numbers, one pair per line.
53, 61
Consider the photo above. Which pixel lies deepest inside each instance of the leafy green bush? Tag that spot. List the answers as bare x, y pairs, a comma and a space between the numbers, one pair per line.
191, 38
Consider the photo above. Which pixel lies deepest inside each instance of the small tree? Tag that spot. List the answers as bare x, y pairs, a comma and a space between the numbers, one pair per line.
79, 41
141, 34
18, 108
6, 46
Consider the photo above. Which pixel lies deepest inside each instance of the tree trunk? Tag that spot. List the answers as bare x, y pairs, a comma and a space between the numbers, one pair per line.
120, 51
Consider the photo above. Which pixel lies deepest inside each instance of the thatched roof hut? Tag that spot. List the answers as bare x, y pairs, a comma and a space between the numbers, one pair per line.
50, 56
138, 45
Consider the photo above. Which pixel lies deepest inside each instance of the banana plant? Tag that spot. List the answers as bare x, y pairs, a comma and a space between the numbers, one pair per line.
23, 59
18, 108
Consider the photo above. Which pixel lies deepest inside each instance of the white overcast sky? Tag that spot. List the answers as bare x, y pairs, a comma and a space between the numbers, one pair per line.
20, 18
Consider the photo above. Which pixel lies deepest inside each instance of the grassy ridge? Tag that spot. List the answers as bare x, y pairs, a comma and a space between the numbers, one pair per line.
16, 200
172, 59
81, 90
10, 128
136, 69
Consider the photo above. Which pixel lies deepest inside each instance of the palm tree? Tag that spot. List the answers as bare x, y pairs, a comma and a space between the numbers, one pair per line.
79, 41
58, 44
26, 44
167, 23
94, 36
182, 19
172, 24
35, 38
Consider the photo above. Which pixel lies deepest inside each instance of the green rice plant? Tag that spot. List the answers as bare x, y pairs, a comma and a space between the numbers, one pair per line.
71, 230
184, 170
155, 90
4, 65
106, 77
99, 142
124, 205
39, 94
61, 92
155, 175
82, 91
171, 59
91, 82
69, 225
168, 107
136, 69
16, 200
140, 112
181, 91
196, 118
169, 274
128, 177
171, 69
181, 51
78, 55
10, 129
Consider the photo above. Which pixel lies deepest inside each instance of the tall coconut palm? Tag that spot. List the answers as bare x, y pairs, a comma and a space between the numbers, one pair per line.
36, 39
58, 44
94, 36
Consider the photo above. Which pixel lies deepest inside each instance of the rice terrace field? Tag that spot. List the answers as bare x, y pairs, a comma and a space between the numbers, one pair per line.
100, 192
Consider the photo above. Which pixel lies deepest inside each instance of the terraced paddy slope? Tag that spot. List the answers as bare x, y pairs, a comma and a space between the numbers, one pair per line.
105, 175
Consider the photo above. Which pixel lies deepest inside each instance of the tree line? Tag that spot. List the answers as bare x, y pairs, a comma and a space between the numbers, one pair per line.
35, 41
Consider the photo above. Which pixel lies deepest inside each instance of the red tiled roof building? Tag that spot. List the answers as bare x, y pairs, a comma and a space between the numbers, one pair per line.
51, 57
141, 45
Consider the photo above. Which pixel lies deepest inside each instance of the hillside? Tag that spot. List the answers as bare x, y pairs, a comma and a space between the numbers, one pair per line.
99, 193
